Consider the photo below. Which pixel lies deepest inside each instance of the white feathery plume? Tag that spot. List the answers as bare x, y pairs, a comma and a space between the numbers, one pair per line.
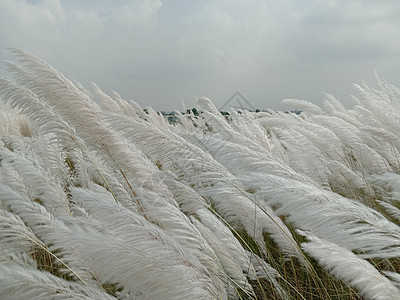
16, 258
190, 123
207, 177
156, 118
392, 92
39, 183
196, 169
241, 211
377, 137
265, 219
228, 249
303, 105
217, 124
126, 106
133, 161
122, 197
131, 231
164, 254
133, 106
355, 271
116, 104
178, 230
343, 221
345, 181
224, 235
279, 119
238, 159
234, 279
116, 186
383, 110
78, 109
52, 157
86, 173
357, 154
14, 124
247, 125
142, 262
187, 123
205, 104
387, 185
395, 278
319, 136
16, 240
42, 114
188, 199
18, 282
80, 87
106, 102
392, 210
50, 231
332, 105
163, 146
303, 156
50, 85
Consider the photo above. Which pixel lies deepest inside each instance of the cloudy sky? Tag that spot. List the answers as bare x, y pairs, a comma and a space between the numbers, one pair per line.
162, 52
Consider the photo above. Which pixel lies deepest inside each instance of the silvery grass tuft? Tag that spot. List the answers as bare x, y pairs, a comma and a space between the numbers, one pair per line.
102, 199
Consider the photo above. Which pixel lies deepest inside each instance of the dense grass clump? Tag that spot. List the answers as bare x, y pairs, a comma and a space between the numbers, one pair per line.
102, 199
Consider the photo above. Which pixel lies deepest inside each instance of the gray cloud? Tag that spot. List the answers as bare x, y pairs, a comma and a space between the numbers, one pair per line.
159, 52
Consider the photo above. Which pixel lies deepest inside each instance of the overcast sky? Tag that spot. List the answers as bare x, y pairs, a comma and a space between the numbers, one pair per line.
160, 52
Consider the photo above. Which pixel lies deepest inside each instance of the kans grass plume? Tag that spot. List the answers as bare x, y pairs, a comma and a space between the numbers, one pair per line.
101, 199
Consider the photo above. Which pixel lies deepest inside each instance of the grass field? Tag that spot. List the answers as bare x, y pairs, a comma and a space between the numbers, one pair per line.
102, 199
